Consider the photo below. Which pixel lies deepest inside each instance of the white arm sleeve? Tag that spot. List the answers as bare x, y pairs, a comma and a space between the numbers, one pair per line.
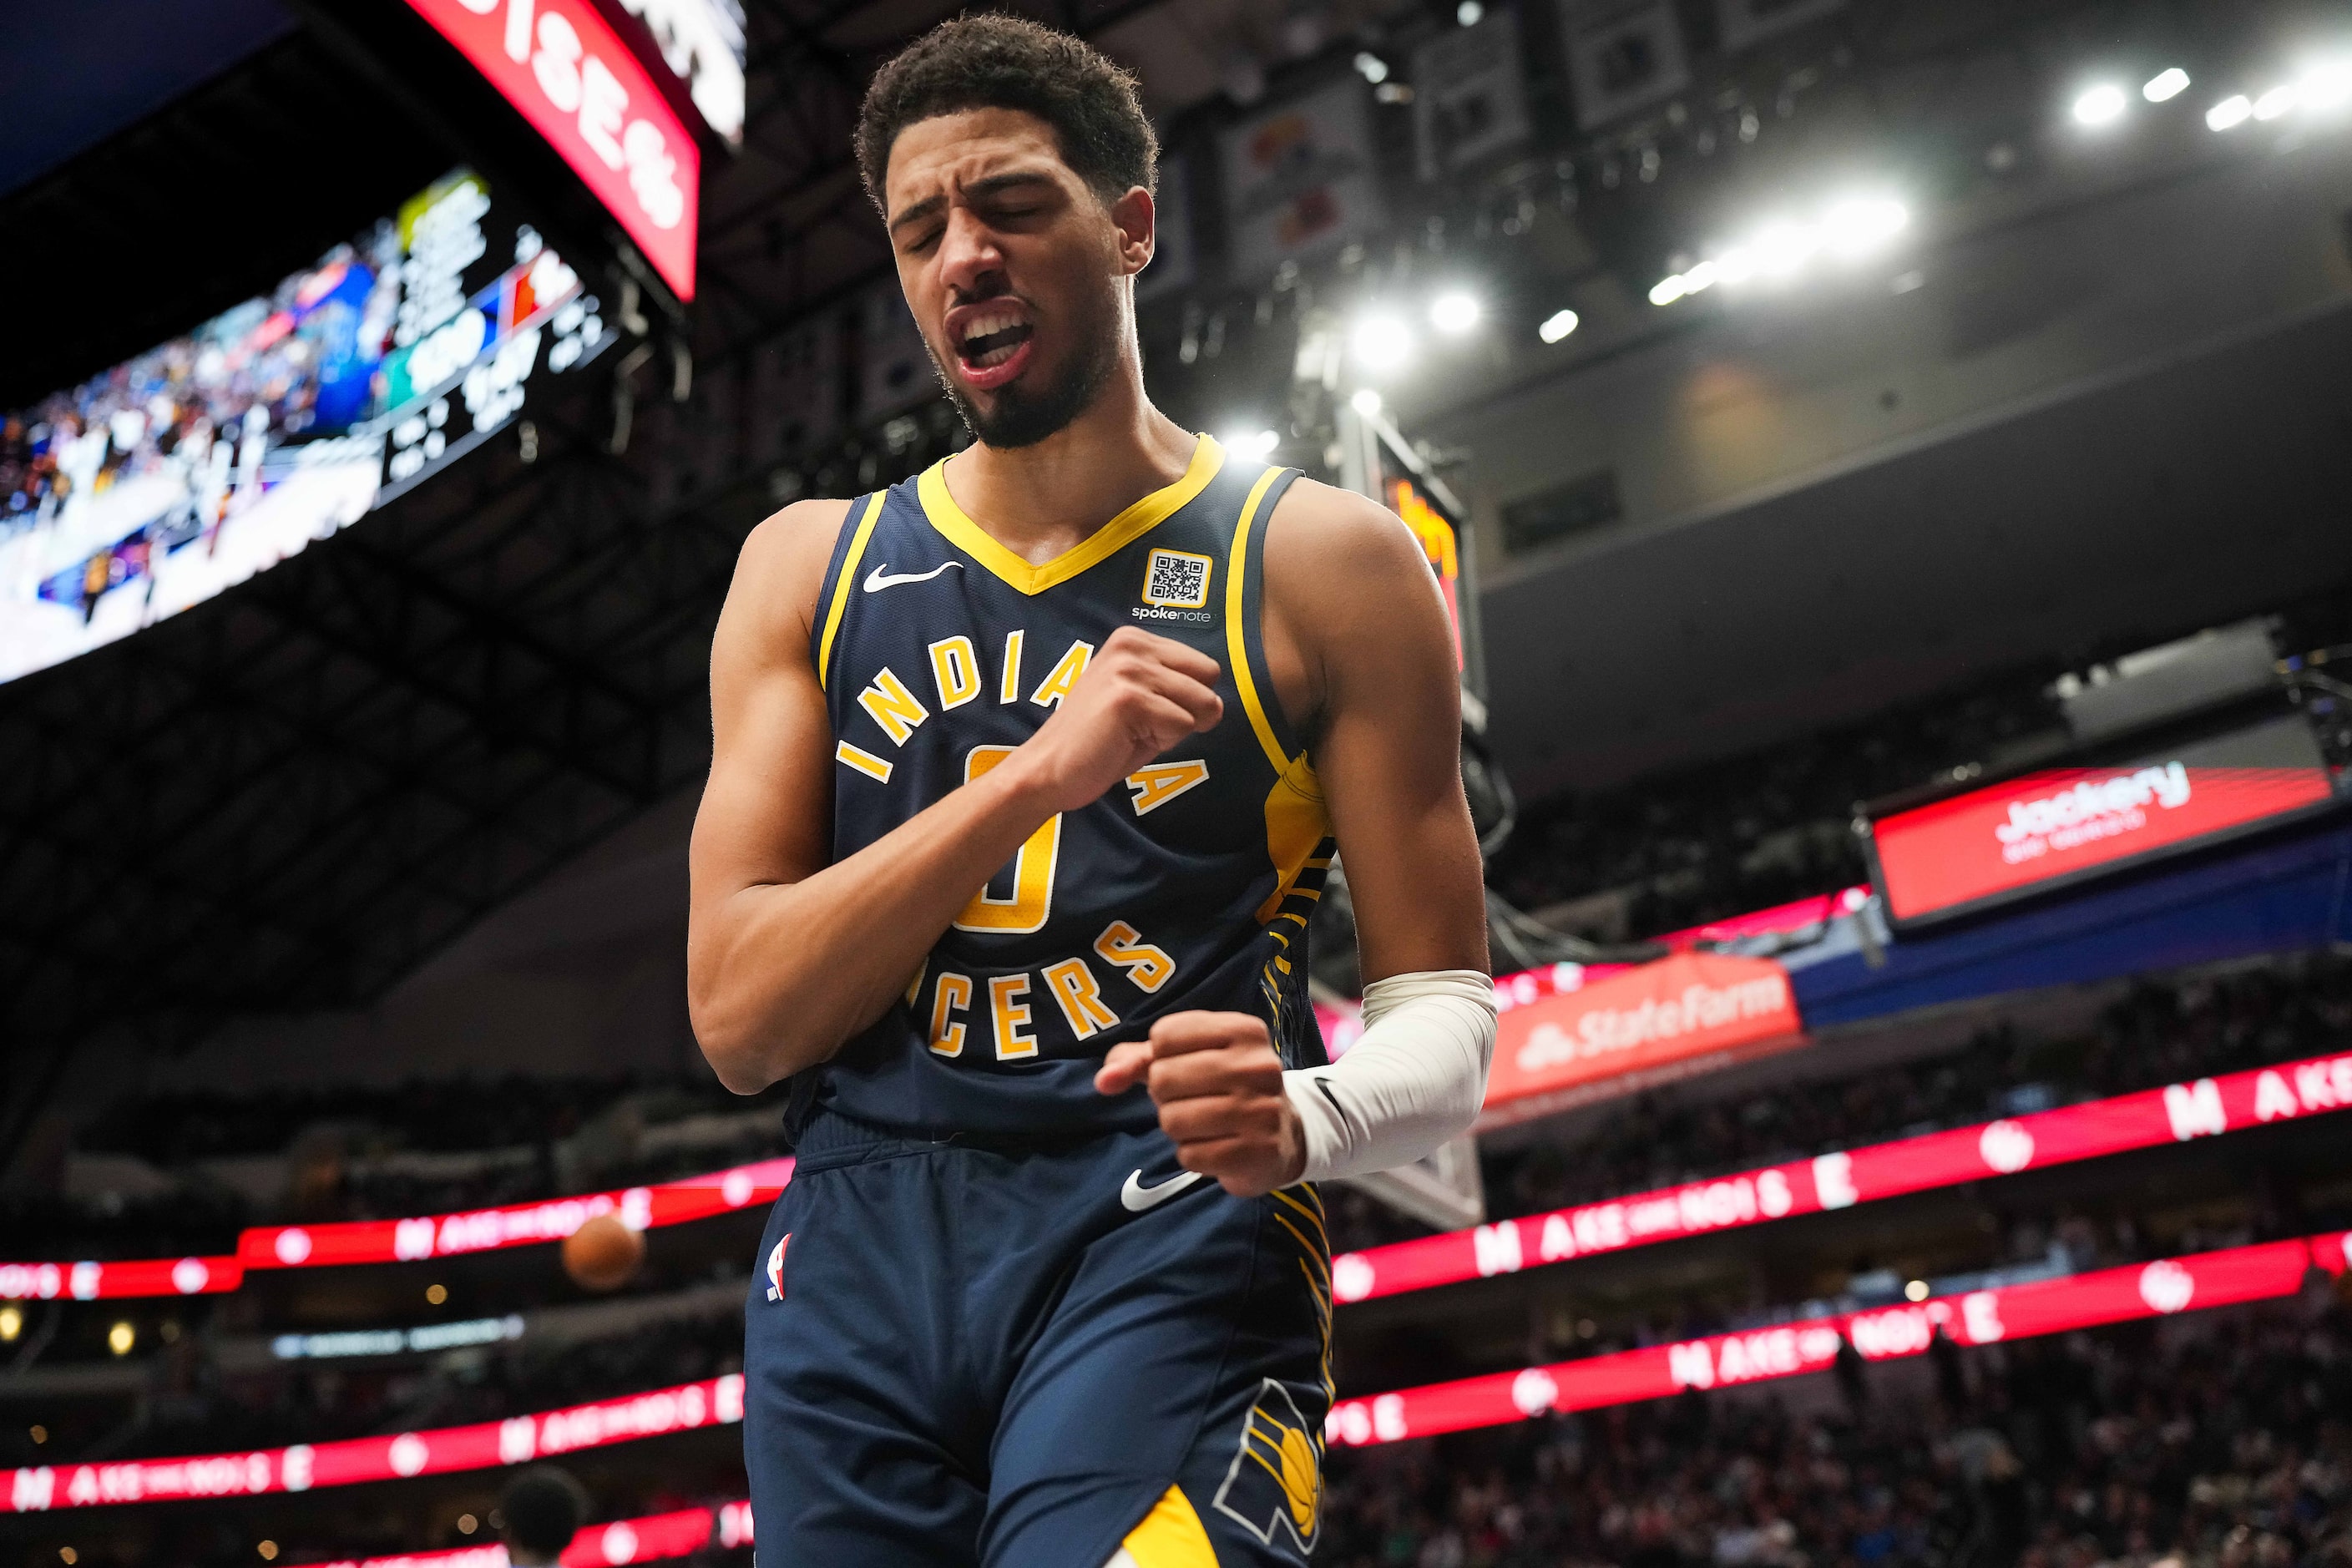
1414, 1079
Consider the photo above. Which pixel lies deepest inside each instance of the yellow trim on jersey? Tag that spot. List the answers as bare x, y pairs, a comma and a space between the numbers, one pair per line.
1236, 638
1124, 529
1171, 1536
841, 588
1296, 825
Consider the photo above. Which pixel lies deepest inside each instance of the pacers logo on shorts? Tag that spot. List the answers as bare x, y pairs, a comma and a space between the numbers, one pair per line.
1274, 1484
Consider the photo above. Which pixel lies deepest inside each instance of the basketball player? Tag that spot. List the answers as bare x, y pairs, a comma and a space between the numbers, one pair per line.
1027, 774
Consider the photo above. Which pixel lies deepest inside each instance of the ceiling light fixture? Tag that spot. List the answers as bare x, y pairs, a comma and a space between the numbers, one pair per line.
2229, 114
1454, 312
2100, 105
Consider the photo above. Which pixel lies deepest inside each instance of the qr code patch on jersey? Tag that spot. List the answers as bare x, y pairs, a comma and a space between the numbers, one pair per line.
1177, 581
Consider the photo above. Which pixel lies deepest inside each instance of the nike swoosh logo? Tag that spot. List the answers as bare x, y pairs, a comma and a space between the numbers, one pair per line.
882, 577
1139, 1197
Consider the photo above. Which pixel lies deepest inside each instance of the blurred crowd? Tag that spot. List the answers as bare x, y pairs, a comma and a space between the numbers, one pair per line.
2222, 1440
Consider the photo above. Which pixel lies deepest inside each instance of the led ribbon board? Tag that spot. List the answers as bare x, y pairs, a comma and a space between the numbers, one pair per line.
2147, 1120
517, 1440
2206, 1107
399, 1240
1980, 1317
562, 65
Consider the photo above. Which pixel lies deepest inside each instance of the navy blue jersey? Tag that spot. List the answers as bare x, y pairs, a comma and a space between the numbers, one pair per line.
1186, 886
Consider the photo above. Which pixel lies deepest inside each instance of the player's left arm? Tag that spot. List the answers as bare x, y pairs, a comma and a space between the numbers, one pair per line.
1362, 654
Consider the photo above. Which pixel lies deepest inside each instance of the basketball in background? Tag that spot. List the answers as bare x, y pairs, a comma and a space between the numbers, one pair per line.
604, 1253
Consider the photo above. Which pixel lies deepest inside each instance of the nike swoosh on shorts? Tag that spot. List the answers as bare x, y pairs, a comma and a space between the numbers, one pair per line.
881, 576
1139, 1197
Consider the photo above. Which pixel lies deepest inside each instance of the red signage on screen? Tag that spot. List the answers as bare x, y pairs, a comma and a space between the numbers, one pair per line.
2147, 1120
1618, 1031
516, 1225
516, 1440
564, 68
1990, 843
1980, 1317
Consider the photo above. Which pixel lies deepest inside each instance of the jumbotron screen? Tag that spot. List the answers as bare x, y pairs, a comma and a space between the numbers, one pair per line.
2059, 825
179, 473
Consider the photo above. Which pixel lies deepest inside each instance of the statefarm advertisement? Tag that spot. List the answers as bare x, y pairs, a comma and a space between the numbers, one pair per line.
1991, 844
1689, 1013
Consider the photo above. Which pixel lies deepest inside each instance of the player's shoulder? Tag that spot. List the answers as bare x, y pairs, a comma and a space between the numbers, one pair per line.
1319, 533
790, 539
781, 568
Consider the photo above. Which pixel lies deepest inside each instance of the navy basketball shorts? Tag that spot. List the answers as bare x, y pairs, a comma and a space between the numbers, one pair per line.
968, 1356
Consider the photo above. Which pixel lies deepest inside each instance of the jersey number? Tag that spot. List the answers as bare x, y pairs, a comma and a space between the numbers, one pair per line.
1033, 868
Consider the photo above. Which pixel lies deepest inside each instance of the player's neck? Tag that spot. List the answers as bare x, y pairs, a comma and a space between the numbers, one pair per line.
1042, 499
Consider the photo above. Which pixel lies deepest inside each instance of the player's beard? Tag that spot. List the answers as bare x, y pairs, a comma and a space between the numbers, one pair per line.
1028, 410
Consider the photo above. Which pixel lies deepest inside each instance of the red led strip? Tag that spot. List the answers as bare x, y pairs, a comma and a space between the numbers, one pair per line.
714, 1402
398, 1240
2146, 1119
1980, 1317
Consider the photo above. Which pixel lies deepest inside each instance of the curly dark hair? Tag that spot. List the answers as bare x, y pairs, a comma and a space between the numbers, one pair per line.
1010, 62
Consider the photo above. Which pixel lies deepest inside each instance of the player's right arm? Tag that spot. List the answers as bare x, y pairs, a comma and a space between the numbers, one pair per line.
790, 954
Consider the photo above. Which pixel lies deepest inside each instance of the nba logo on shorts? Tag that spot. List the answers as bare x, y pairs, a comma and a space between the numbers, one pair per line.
1274, 1485
776, 1268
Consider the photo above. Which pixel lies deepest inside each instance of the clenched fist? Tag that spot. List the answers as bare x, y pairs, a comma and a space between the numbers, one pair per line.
1140, 694
1218, 1085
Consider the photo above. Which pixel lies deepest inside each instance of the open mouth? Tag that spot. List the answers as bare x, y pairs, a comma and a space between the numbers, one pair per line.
991, 344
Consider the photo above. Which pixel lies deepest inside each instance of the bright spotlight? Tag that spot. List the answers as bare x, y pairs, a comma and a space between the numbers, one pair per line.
2275, 102
2229, 114
1856, 229
1250, 443
1737, 265
1381, 342
1366, 401
2100, 105
1915, 1291
2326, 87
1784, 247
1454, 312
1699, 278
1468, 13
2165, 85
1668, 290
121, 1337
1371, 67
1557, 325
